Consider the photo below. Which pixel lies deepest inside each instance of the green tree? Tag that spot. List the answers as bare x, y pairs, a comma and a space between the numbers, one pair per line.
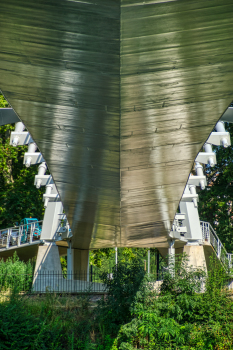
215, 205
3, 102
19, 197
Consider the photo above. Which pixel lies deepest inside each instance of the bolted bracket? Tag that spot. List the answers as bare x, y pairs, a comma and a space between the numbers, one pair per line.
20, 138
35, 158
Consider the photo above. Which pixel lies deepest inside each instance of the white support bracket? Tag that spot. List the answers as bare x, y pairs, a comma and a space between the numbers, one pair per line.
43, 179
204, 157
64, 231
216, 138
20, 138
52, 197
35, 158
195, 180
178, 232
189, 197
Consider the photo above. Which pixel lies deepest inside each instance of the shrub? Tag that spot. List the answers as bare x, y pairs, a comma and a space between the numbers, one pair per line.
185, 315
122, 289
15, 274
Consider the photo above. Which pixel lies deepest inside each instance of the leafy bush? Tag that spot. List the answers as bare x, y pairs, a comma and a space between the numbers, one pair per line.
182, 316
20, 329
192, 311
122, 288
15, 274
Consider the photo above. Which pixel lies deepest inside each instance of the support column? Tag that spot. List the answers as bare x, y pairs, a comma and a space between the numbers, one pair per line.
81, 264
78, 264
196, 256
48, 270
70, 262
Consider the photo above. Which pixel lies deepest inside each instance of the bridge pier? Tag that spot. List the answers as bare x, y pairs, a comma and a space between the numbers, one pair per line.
78, 264
48, 270
195, 256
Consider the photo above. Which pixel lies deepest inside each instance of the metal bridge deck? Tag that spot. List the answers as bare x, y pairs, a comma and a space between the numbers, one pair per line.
119, 97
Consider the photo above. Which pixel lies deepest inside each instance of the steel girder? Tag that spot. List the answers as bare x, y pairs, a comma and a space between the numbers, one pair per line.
119, 97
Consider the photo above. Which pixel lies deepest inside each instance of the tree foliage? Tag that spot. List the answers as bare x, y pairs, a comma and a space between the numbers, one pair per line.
3, 102
183, 315
215, 205
19, 198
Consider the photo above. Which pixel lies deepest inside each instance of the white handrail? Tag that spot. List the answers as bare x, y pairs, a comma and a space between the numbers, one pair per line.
209, 235
19, 235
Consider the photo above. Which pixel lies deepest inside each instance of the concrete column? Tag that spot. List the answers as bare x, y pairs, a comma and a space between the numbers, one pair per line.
196, 256
81, 264
78, 264
48, 270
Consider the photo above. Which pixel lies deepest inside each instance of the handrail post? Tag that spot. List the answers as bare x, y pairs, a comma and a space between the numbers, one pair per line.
218, 248
8, 237
31, 232
19, 236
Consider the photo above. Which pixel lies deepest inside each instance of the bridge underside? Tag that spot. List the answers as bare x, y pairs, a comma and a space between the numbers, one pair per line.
27, 251
119, 97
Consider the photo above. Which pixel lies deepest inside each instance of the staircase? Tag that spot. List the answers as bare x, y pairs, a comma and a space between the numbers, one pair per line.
210, 236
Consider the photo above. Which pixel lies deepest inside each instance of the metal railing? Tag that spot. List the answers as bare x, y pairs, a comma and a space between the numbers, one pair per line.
210, 236
18, 235
68, 282
54, 282
59, 282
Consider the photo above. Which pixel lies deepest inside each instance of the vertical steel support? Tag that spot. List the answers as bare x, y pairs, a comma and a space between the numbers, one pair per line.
91, 273
218, 248
8, 237
70, 262
19, 237
171, 257
208, 232
31, 231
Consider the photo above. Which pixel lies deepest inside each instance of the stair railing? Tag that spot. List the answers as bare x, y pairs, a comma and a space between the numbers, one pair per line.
210, 236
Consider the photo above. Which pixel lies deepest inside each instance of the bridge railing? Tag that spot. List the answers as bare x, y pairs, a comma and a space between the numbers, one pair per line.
61, 282
210, 236
19, 235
